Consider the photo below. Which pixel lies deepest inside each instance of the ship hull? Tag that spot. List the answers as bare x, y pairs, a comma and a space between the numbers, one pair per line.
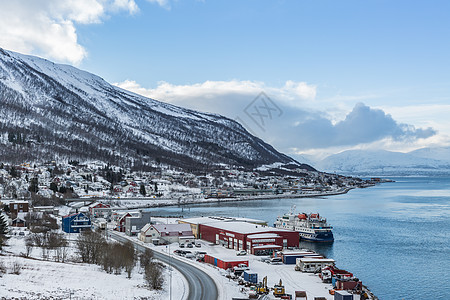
326, 237
319, 240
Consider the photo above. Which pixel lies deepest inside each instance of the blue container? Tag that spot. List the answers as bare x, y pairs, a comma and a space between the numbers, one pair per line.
251, 277
290, 259
215, 262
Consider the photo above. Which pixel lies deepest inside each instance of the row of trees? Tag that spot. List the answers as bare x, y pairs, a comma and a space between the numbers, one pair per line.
52, 244
115, 258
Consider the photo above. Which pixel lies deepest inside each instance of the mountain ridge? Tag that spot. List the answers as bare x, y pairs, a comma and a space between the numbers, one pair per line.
383, 162
53, 111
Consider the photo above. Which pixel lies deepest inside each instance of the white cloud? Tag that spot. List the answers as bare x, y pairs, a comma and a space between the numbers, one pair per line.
48, 27
290, 119
162, 3
202, 95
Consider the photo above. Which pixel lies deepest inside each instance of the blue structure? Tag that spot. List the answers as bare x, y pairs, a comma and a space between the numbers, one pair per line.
76, 223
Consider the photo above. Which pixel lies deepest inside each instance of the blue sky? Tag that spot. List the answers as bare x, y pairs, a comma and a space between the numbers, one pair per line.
344, 74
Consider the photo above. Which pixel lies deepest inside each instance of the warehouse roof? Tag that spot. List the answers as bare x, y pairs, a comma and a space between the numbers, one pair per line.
244, 227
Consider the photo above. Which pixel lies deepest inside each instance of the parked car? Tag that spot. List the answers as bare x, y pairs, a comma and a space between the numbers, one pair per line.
181, 245
189, 245
276, 261
240, 268
241, 252
265, 259
186, 252
197, 244
189, 255
200, 254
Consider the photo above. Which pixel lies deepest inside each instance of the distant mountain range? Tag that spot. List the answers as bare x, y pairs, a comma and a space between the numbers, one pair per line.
426, 161
51, 111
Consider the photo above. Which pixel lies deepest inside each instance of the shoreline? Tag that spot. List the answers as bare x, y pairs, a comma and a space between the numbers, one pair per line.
182, 202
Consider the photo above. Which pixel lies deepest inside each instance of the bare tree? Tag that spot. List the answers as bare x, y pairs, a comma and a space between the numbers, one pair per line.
29, 244
90, 246
129, 257
16, 267
153, 275
145, 258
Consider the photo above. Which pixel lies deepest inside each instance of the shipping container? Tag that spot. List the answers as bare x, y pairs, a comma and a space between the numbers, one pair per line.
251, 277
348, 285
342, 295
224, 263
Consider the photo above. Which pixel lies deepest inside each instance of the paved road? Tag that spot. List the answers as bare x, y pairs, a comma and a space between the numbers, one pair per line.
201, 285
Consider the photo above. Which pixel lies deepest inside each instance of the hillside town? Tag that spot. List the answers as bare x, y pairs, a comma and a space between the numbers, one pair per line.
53, 182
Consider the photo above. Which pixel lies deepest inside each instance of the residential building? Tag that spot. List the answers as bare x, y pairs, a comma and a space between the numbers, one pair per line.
166, 233
76, 223
134, 224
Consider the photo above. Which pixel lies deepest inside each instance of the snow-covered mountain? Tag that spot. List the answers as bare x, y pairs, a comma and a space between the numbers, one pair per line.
381, 162
438, 153
53, 111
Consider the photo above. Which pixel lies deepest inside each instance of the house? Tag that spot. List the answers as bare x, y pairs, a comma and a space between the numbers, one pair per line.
166, 233
120, 225
16, 207
98, 209
76, 223
134, 224
19, 221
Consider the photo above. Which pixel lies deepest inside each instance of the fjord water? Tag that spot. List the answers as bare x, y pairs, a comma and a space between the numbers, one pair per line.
395, 237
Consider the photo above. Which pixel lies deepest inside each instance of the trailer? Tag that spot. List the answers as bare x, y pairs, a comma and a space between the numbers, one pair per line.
311, 265
342, 295
251, 277
300, 295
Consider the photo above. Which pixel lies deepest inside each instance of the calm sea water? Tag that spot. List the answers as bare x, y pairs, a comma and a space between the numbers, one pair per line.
395, 237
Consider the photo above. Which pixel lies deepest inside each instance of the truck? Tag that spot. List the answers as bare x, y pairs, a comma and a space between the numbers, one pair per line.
101, 223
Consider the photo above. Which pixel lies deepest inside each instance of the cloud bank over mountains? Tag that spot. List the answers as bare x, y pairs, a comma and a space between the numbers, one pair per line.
290, 118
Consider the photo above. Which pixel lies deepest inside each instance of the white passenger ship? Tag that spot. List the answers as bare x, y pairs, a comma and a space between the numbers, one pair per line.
311, 227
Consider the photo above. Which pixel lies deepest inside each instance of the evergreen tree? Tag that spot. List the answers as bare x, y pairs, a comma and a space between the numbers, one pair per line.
13, 172
142, 190
3, 225
53, 187
34, 185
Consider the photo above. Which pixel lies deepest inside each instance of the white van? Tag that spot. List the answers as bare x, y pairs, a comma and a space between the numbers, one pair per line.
276, 261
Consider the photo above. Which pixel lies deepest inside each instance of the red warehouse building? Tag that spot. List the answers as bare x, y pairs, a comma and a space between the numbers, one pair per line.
246, 236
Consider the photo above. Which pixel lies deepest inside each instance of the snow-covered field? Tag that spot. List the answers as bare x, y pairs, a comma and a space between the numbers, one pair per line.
39, 279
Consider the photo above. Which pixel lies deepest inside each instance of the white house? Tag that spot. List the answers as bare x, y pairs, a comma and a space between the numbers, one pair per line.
165, 233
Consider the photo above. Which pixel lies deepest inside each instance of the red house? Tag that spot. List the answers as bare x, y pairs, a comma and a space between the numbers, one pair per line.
120, 226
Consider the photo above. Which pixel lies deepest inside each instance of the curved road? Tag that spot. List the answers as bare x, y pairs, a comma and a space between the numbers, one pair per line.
201, 285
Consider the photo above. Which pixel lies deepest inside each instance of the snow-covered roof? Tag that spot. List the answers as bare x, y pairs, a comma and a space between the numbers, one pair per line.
244, 227
172, 227
213, 219
267, 247
263, 236
146, 227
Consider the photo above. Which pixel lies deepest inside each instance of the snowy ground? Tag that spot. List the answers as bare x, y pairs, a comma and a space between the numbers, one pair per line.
41, 279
